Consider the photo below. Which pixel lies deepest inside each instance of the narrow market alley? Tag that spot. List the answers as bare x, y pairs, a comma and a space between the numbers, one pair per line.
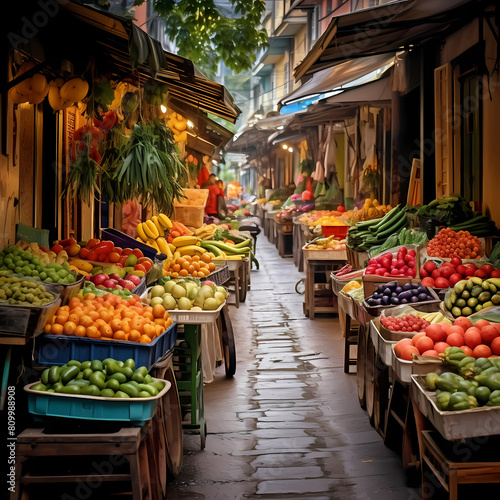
288, 425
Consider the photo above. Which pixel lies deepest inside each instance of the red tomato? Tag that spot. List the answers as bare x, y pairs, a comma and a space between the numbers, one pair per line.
435, 332
464, 322
495, 273
423, 274
424, 344
473, 338
466, 349
455, 278
427, 281
440, 346
481, 323
446, 271
489, 333
399, 346
455, 329
408, 351
455, 339
56, 249
495, 345
442, 283
429, 266
431, 352
436, 274
481, 351
455, 261
480, 273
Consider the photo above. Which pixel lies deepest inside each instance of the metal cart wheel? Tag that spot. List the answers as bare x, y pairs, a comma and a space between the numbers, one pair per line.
228, 344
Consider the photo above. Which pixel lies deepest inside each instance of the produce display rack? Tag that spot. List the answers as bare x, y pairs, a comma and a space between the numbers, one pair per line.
284, 237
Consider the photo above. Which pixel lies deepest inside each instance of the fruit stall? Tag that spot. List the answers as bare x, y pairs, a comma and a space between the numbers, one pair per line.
115, 288
418, 306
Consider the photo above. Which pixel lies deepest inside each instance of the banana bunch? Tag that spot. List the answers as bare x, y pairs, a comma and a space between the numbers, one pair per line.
187, 245
206, 231
433, 317
152, 233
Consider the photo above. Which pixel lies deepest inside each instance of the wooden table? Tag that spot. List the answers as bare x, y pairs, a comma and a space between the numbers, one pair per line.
321, 263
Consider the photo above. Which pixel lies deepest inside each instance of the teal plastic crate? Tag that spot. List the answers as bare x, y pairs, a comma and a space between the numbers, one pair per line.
45, 405
59, 349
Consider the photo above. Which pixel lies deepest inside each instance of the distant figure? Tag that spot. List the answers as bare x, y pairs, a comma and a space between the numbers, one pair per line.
216, 206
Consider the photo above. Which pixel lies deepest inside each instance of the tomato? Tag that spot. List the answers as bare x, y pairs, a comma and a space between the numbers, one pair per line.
455, 261
114, 257
482, 351
423, 273
429, 266
455, 278
92, 256
487, 268
495, 273
140, 267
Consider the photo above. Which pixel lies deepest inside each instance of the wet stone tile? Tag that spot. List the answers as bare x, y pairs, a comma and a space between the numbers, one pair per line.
279, 473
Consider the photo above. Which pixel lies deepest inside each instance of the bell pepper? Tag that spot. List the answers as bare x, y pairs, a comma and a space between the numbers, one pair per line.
465, 366
493, 381
468, 386
430, 380
493, 361
483, 394
494, 399
443, 399
453, 355
104, 247
481, 364
461, 401
485, 375
448, 381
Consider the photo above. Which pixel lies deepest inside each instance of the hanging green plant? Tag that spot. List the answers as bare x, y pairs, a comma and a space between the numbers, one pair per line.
81, 182
150, 168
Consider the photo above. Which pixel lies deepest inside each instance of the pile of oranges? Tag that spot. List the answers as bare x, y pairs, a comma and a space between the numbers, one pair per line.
109, 318
196, 266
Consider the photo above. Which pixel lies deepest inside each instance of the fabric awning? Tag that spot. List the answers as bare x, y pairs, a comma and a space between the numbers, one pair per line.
86, 34
344, 73
385, 29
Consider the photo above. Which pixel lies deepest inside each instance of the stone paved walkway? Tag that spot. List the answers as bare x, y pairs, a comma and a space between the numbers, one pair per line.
288, 425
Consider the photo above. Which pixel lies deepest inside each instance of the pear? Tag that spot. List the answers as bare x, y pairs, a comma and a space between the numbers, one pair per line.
178, 291
169, 303
184, 304
157, 291
168, 286
222, 290
219, 297
157, 300
210, 304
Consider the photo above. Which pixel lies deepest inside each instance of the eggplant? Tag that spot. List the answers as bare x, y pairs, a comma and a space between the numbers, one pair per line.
405, 295
403, 301
394, 294
414, 292
398, 289
381, 288
407, 286
385, 300
422, 297
416, 285
375, 295
392, 284
414, 298
395, 301
422, 289
387, 291
371, 301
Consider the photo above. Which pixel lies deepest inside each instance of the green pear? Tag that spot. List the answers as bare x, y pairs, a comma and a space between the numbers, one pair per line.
169, 303
156, 300
219, 297
222, 290
178, 291
184, 304
168, 286
157, 291
210, 304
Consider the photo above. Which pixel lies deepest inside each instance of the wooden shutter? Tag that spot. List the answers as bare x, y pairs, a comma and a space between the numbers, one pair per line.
443, 120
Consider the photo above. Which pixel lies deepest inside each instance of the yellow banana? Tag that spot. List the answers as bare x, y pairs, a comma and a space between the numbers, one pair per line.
141, 233
163, 246
181, 241
150, 229
164, 221
177, 254
166, 264
152, 243
159, 227
172, 247
191, 250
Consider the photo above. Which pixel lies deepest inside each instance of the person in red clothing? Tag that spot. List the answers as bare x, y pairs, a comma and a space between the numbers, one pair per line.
214, 191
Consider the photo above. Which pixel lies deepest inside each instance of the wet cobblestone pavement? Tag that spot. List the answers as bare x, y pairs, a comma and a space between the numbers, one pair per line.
288, 425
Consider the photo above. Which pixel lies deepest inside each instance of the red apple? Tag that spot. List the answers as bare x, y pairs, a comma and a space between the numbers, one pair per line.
495, 273
436, 274
134, 279
456, 261
455, 278
99, 279
109, 283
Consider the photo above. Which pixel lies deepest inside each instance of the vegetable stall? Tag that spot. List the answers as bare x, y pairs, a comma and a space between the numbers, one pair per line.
419, 299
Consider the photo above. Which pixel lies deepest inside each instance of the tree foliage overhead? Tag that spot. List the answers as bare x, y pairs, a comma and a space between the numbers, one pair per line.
203, 34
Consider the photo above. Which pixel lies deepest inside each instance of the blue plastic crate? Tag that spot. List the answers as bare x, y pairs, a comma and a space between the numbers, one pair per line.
125, 241
136, 410
59, 349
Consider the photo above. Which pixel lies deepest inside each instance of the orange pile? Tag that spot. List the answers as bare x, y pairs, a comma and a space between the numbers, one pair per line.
110, 318
197, 266
448, 244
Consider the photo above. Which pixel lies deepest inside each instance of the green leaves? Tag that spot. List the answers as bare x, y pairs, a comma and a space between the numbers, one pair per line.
206, 34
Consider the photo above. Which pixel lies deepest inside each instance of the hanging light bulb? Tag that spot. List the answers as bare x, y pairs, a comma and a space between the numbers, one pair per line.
163, 109
190, 124
290, 149
285, 146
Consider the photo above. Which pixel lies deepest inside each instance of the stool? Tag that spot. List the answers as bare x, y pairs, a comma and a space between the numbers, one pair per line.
448, 473
351, 339
127, 442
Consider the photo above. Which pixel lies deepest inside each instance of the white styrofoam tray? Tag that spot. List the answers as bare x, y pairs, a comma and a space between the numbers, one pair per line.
346, 303
454, 425
401, 367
